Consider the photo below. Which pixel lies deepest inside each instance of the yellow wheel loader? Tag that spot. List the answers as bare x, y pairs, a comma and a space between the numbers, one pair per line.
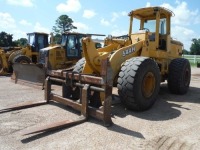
28, 54
5, 52
57, 56
137, 63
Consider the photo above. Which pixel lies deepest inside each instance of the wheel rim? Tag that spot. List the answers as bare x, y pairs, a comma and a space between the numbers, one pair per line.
148, 84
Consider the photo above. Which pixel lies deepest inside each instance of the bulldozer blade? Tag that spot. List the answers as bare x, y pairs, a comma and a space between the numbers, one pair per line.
29, 74
22, 106
54, 126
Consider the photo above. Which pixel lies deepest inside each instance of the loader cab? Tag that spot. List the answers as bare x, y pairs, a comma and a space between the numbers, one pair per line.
154, 27
37, 41
72, 44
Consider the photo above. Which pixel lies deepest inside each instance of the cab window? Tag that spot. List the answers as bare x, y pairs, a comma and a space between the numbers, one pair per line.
150, 25
71, 46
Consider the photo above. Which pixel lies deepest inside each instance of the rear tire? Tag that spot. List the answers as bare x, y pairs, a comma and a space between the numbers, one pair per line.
139, 83
1, 66
22, 59
179, 76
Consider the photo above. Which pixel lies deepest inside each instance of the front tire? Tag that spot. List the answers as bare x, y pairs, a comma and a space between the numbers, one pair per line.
139, 83
22, 59
68, 91
74, 93
79, 66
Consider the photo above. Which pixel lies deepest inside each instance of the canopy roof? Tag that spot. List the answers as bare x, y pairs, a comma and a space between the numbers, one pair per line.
150, 12
38, 33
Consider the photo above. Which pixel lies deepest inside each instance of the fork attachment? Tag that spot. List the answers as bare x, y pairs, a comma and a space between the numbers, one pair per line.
92, 89
22, 105
86, 84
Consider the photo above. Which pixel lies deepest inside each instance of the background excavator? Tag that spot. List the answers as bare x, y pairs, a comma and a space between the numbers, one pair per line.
28, 54
137, 63
57, 56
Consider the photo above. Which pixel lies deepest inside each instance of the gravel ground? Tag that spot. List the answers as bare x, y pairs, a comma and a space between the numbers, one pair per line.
172, 123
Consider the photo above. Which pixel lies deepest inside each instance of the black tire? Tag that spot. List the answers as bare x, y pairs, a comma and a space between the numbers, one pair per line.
179, 76
75, 92
134, 75
79, 66
22, 59
68, 91
1, 66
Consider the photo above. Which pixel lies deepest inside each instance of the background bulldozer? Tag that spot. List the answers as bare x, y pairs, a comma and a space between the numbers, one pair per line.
56, 56
136, 63
28, 54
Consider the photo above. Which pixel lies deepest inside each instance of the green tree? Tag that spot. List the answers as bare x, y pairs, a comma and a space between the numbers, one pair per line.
195, 47
63, 24
21, 42
186, 52
6, 39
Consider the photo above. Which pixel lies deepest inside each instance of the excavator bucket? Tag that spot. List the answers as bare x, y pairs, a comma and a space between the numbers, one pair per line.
29, 74
87, 84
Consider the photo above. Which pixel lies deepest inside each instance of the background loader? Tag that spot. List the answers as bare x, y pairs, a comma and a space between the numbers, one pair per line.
58, 56
28, 54
136, 63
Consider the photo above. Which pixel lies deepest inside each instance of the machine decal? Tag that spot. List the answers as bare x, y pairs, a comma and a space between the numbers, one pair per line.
128, 51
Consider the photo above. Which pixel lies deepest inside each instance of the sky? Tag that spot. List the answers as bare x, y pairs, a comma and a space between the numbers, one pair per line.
19, 17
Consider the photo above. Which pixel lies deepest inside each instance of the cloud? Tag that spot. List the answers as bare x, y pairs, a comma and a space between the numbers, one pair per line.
118, 32
69, 6
8, 24
183, 16
39, 28
81, 27
25, 23
17, 34
105, 22
24, 3
184, 35
88, 14
116, 15
148, 4
7, 21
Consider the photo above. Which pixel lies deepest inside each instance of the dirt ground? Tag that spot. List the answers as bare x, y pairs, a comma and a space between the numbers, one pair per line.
172, 123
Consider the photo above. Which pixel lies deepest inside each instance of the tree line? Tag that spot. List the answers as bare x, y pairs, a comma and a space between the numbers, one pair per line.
6, 40
194, 48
